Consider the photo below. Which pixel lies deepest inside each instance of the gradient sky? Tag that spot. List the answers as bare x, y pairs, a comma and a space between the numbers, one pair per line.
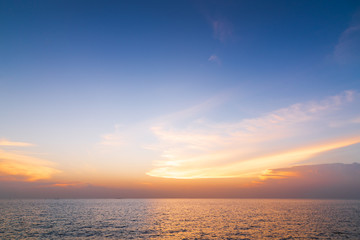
179, 98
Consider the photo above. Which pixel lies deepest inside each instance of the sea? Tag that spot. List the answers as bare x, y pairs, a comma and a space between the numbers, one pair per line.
179, 219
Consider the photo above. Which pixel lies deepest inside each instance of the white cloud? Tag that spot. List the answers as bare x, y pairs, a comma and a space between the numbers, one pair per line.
284, 136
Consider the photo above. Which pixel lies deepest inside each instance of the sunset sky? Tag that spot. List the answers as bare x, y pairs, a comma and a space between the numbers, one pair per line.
179, 99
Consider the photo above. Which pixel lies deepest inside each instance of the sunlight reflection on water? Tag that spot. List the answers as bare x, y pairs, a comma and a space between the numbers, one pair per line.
180, 219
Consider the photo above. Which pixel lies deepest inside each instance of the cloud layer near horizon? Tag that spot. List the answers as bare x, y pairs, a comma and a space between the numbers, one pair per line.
305, 181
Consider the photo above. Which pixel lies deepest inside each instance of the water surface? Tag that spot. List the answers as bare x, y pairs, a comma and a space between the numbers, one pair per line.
180, 219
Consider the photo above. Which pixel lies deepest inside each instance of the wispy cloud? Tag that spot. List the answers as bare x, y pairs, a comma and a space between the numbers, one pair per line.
222, 29
7, 143
113, 139
196, 110
348, 47
282, 137
215, 59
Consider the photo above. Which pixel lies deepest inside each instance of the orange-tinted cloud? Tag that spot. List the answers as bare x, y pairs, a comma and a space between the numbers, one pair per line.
15, 166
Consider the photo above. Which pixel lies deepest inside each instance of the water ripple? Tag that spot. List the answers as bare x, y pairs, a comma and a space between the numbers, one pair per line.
179, 219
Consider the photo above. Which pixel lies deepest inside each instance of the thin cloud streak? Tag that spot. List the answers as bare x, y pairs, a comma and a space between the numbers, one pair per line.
7, 143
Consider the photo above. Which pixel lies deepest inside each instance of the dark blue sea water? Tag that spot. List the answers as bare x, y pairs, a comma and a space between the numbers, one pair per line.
180, 219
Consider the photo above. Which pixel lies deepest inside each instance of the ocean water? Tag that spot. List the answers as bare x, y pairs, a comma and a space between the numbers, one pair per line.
180, 219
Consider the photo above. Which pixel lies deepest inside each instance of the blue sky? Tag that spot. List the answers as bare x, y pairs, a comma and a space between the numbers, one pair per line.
142, 88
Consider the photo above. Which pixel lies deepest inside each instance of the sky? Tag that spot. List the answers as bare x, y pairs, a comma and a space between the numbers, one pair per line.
126, 99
